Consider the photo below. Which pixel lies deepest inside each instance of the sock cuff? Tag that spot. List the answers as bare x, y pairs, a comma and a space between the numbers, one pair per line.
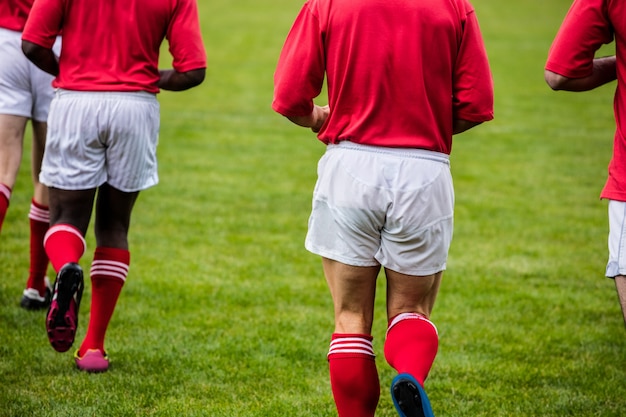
39, 212
33, 202
65, 228
5, 191
351, 345
110, 263
115, 254
409, 316
368, 337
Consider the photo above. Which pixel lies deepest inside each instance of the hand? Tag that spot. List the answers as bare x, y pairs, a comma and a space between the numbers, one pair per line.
320, 114
315, 120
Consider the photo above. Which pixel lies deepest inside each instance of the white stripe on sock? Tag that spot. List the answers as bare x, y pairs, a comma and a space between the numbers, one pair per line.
109, 268
352, 345
6, 191
39, 214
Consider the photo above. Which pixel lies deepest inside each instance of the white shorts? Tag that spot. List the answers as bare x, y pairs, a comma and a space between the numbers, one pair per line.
98, 137
617, 239
374, 205
25, 90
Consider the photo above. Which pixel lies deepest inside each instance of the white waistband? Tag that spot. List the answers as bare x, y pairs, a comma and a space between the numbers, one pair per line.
405, 152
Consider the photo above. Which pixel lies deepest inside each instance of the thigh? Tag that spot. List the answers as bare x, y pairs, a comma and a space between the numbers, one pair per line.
418, 229
132, 142
353, 290
349, 207
616, 264
410, 293
11, 146
15, 93
74, 157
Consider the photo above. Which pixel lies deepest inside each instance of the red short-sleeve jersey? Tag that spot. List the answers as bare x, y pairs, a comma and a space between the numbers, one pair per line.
398, 72
587, 26
13, 13
114, 45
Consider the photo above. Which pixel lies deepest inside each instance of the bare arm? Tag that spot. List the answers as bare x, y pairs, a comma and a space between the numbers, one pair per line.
178, 81
42, 57
460, 126
315, 120
604, 71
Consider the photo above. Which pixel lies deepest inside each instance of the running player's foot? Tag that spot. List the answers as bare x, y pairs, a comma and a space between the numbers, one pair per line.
31, 300
62, 318
93, 361
409, 397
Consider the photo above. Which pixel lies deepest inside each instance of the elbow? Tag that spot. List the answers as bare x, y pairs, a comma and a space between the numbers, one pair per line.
196, 77
460, 126
555, 81
29, 49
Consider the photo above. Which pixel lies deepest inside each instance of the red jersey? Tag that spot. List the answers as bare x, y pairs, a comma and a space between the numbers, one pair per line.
588, 25
114, 45
398, 72
13, 14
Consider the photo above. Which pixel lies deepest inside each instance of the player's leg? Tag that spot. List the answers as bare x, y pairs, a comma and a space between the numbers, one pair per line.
353, 373
132, 126
412, 341
11, 148
38, 291
616, 265
620, 287
414, 250
113, 213
70, 212
108, 272
15, 110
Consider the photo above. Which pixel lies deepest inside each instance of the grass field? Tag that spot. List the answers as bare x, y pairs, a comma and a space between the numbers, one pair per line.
225, 314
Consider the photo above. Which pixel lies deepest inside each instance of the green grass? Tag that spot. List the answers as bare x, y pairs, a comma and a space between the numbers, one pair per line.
225, 314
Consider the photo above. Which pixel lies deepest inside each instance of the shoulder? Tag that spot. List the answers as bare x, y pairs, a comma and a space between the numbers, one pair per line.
463, 7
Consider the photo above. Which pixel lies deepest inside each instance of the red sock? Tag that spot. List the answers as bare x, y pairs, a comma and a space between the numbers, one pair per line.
39, 223
5, 196
411, 345
108, 274
64, 244
353, 375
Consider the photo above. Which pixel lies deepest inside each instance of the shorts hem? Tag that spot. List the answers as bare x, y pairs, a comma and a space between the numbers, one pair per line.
613, 270
343, 259
89, 187
7, 112
135, 189
52, 184
416, 272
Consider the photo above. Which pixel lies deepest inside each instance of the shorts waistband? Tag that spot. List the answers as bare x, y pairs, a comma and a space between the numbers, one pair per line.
10, 32
125, 95
404, 152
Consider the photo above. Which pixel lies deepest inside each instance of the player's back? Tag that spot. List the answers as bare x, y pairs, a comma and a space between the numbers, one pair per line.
114, 45
13, 13
391, 69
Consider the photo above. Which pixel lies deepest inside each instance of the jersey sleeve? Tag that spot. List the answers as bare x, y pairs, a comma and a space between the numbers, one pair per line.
44, 23
473, 83
299, 74
185, 38
584, 30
